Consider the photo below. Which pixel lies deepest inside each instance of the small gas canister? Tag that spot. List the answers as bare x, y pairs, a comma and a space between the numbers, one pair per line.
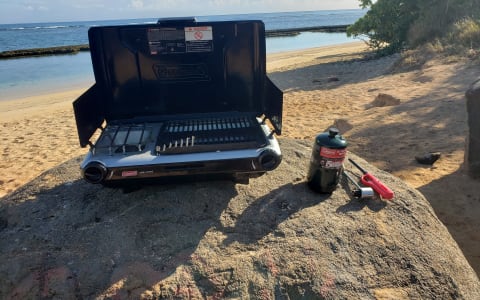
326, 163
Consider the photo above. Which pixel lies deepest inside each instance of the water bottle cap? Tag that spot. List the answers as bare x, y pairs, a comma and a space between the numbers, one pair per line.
332, 132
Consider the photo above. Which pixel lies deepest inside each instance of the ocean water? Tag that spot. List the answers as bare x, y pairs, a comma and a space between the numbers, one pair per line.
22, 77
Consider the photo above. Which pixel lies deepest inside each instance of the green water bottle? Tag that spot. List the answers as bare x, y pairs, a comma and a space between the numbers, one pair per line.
326, 163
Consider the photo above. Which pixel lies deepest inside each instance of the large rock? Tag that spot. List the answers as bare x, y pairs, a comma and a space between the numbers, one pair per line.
61, 238
472, 153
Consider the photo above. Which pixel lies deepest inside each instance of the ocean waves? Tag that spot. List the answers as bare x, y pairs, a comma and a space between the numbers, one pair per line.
54, 34
41, 27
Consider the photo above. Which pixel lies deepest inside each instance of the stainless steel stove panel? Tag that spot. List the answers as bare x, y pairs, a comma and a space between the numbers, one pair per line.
132, 151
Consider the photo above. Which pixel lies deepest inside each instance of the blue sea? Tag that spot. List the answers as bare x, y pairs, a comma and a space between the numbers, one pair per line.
21, 77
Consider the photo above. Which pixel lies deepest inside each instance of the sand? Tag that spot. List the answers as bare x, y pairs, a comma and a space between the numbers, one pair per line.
322, 87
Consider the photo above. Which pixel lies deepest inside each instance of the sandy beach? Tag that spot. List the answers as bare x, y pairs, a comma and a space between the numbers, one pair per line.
322, 87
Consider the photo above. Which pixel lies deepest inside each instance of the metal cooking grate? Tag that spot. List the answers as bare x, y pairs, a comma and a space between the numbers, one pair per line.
210, 134
124, 138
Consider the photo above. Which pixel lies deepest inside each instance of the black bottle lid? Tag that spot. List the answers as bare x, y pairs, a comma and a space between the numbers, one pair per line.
332, 132
331, 139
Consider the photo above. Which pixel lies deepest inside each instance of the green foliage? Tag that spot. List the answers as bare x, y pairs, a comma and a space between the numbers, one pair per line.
392, 25
463, 37
386, 23
465, 32
437, 16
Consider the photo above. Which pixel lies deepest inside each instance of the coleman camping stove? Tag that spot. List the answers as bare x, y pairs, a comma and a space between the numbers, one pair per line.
179, 98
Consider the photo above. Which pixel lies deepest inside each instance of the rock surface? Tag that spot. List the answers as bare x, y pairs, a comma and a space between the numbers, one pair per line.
428, 158
61, 238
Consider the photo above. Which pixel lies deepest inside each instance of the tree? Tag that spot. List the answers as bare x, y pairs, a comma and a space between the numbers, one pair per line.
393, 25
386, 23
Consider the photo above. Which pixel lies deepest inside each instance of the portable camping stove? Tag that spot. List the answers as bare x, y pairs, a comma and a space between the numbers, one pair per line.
179, 98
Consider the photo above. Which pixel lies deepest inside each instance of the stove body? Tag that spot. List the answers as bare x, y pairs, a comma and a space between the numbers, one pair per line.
179, 98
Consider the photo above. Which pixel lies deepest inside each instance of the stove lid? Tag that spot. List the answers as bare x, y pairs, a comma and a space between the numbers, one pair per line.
181, 67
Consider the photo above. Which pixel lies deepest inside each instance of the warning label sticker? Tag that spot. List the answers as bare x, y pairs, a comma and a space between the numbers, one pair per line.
332, 158
199, 39
166, 41
333, 153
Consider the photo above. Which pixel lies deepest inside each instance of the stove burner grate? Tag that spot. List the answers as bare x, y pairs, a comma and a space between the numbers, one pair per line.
210, 134
125, 138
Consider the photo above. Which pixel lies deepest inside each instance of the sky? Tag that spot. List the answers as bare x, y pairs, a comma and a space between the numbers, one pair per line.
31, 11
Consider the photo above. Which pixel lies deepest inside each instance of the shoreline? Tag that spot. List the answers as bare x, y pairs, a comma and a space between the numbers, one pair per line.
274, 60
35, 75
72, 49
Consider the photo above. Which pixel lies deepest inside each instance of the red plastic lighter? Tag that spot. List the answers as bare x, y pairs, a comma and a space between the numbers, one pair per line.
368, 179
